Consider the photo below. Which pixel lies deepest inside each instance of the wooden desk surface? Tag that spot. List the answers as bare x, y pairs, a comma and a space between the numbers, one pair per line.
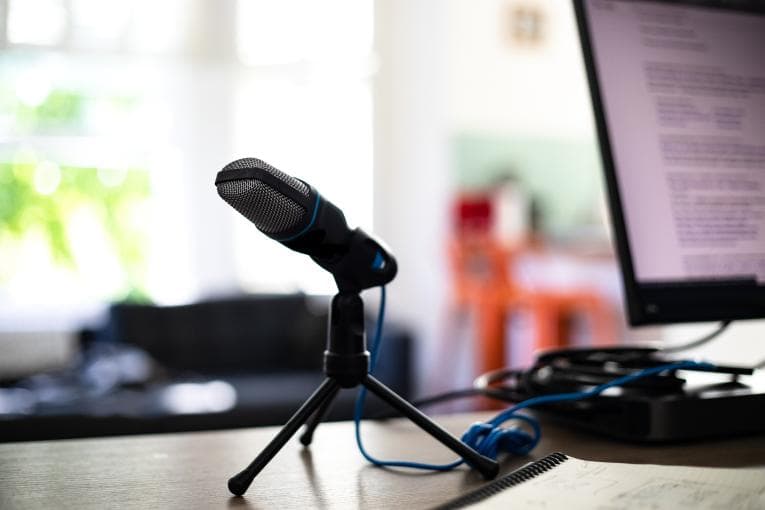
190, 470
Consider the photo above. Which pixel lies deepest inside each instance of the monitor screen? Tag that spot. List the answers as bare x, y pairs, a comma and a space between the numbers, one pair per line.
678, 91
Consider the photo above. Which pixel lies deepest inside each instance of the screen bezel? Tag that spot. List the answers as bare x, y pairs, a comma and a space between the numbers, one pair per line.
671, 302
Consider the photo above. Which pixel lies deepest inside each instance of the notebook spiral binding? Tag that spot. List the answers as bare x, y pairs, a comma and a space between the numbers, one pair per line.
516, 477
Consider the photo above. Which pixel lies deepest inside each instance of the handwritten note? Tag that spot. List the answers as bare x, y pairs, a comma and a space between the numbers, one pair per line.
612, 486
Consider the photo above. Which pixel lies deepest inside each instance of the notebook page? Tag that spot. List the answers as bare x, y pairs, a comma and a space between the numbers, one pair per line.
593, 485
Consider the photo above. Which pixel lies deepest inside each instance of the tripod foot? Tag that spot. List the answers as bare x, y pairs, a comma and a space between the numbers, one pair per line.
310, 427
486, 466
239, 483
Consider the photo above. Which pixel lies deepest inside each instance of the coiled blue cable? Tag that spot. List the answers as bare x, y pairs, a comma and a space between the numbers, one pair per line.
490, 438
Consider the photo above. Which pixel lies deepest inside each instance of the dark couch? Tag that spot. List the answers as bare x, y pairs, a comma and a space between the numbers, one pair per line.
267, 350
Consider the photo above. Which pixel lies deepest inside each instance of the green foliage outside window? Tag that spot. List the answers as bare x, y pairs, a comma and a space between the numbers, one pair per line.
24, 209
60, 109
39, 197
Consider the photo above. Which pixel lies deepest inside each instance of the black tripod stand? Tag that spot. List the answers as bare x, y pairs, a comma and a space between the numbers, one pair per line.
346, 365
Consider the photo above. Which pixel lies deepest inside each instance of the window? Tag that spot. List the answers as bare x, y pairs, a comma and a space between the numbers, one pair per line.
115, 117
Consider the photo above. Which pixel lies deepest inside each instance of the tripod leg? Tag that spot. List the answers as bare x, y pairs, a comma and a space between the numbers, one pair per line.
488, 467
307, 436
239, 483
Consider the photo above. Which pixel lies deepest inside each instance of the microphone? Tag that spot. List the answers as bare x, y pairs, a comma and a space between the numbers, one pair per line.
292, 212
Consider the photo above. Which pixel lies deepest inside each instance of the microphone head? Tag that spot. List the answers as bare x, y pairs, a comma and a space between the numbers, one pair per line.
278, 204
292, 212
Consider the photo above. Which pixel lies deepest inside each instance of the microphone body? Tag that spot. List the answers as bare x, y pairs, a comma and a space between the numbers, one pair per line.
292, 212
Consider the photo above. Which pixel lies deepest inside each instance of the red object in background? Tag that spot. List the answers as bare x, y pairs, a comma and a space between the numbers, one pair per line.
483, 281
473, 214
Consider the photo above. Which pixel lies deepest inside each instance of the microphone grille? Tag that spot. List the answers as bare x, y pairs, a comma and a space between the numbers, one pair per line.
270, 211
248, 163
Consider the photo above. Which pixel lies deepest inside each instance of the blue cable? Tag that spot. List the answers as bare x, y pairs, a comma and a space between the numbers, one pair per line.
359, 409
489, 438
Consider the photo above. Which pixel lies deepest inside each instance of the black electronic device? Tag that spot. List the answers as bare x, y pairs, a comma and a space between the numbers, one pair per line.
674, 406
678, 93
293, 213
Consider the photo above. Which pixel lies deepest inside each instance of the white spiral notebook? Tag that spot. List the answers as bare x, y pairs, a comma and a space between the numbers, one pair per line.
560, 481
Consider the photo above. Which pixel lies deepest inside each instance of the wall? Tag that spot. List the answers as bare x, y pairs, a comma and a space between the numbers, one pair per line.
502, 84
411, 178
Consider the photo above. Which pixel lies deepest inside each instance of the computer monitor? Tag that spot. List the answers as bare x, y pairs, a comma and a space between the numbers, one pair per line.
678, 90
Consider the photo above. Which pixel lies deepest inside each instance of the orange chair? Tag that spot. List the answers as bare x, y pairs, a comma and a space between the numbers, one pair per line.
484, 285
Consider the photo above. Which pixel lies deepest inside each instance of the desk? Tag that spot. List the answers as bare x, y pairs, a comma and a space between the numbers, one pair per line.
190, 470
